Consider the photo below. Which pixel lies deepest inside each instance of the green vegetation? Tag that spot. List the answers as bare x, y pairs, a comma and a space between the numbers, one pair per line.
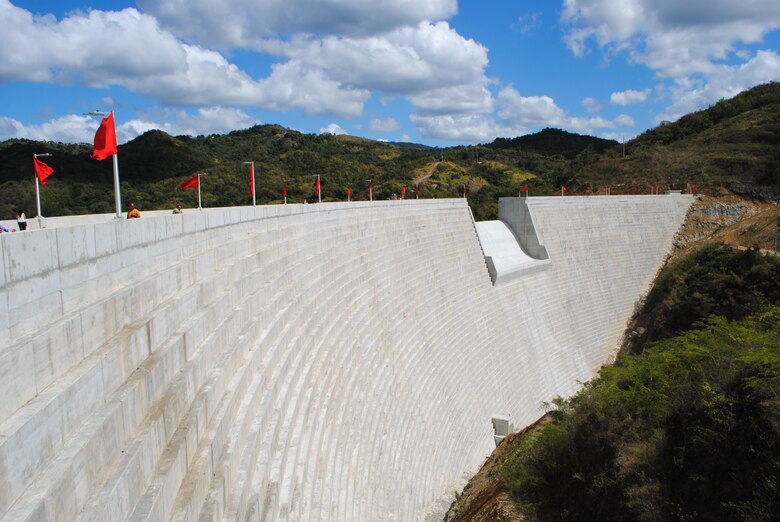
714, 281
688, 429
732, 145
153, 165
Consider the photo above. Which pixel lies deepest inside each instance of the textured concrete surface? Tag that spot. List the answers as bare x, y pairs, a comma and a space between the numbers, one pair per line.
299, 362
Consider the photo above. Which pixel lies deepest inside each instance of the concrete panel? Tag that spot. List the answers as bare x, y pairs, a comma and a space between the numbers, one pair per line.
74, 245
27, 255
17, 372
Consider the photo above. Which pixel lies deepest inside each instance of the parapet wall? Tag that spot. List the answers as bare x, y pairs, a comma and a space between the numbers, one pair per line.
321, 362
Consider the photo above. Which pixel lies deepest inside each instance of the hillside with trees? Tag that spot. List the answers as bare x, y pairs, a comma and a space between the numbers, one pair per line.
731, 147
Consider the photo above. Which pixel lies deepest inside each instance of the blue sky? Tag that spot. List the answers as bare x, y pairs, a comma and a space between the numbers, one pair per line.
439, 72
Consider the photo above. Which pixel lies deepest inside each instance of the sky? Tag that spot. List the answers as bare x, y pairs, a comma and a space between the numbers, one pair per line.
437, 72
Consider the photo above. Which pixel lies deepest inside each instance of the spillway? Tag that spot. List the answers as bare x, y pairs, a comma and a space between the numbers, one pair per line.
340, 361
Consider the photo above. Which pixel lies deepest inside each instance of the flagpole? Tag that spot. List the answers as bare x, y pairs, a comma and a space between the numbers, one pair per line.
38, 189
199, 203
115, 156
117, 195
38, 196
370, 190
252, 179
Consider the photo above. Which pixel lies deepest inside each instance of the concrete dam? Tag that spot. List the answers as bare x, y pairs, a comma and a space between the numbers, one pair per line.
332, 362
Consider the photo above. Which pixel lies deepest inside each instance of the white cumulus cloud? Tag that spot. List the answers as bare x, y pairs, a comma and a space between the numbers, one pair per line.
531, 113
671, 37
74, 128
591, 104
629, 97
430, 64
691, 94
474, 128
244, 23
333, 128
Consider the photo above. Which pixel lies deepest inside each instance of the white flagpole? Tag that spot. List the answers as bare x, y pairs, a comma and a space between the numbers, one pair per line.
115, 157
38, 189
117, 194
199, 203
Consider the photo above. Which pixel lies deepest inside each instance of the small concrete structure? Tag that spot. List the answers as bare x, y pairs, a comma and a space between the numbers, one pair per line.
337, 361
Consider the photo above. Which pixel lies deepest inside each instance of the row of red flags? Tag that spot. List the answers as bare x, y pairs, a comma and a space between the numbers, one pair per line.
104, 146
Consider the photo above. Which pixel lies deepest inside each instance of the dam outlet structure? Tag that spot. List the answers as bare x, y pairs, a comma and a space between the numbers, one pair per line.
331, 362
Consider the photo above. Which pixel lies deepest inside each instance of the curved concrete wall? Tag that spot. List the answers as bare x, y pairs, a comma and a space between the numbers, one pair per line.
298, 362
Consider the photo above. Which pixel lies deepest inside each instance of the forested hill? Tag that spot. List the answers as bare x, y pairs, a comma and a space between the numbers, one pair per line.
153, 165
733, 146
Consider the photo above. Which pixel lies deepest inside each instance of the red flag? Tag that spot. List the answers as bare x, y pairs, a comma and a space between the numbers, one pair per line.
251, 179
317, 185
284, 190
370, 185
349, 191
416, 189
563, 189
464, 191
524, 189
190, 183
105, 139
403, 191
42, 170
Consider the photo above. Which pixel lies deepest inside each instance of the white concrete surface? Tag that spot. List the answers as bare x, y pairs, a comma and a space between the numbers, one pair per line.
299, 362
505, 257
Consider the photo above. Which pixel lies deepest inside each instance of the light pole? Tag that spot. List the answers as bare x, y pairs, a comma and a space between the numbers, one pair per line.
117, 195
252, 181
38, 190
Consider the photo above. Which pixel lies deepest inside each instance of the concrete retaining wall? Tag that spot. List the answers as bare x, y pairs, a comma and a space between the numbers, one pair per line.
321, 362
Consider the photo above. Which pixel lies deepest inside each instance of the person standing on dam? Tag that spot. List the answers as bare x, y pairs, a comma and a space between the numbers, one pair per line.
133, 213
21, 219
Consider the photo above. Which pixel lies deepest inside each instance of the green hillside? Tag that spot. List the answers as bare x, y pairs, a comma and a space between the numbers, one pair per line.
732, 146
152, 166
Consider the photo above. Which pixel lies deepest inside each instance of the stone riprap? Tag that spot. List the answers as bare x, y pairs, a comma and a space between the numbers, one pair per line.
341, 361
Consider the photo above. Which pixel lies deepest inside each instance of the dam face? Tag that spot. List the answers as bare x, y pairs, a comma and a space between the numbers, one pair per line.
301, 362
